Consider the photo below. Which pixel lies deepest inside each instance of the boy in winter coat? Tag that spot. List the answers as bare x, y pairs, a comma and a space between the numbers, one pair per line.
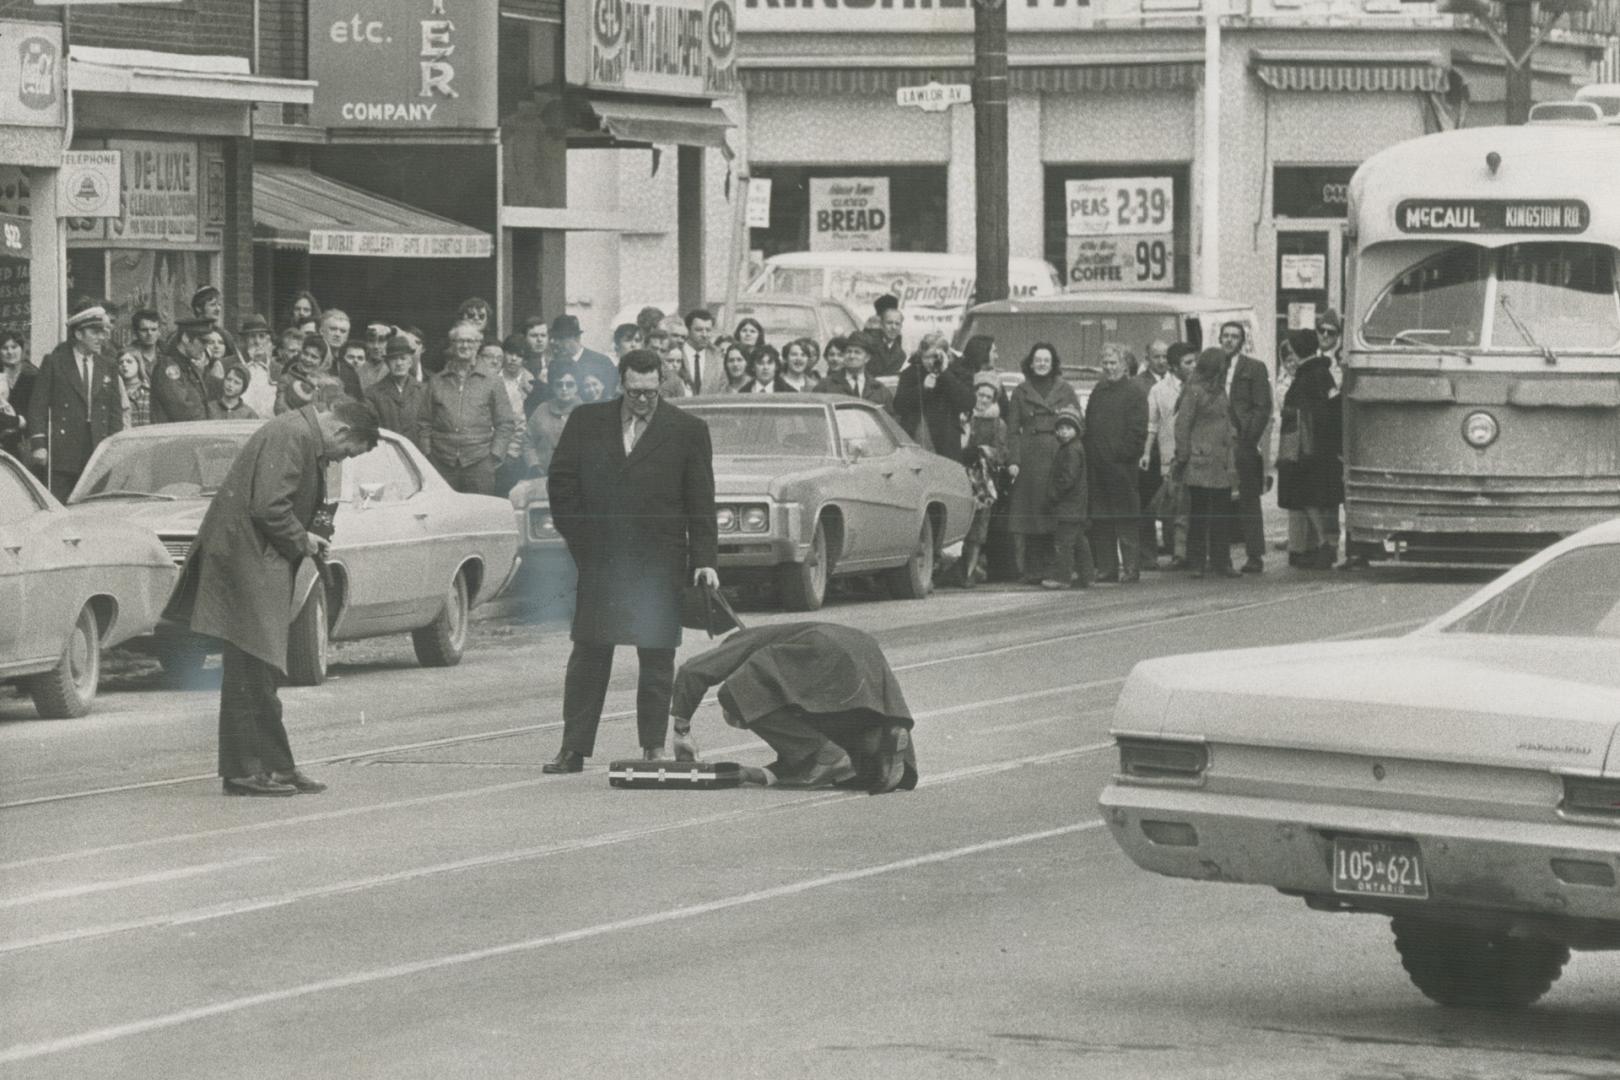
229, 404
1066, 501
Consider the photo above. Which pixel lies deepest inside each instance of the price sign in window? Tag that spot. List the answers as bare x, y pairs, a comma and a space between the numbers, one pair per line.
1100, 263
1120, 206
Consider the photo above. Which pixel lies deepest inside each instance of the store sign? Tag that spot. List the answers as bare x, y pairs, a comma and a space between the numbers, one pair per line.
1119, 206
31, 75
1302, 273
90, 184
400, 245
849, 213
14, 237
904, 16
1451, 216
160, 192
683, 48
403, 64
1311, 191
1104, 263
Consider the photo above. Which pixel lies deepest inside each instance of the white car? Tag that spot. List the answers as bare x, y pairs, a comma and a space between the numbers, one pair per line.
1463, 779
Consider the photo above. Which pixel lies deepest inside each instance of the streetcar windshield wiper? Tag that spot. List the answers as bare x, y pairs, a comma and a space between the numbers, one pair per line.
1409, 338
1524, 331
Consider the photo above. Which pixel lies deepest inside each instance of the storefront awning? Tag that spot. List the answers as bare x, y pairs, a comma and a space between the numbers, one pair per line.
660, 123
143, 72
1118, 73
1335, 72
298, 209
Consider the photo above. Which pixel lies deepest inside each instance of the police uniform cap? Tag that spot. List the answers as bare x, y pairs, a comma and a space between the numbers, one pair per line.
194, 326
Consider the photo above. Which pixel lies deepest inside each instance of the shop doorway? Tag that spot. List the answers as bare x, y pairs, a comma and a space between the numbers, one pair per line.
1310, 277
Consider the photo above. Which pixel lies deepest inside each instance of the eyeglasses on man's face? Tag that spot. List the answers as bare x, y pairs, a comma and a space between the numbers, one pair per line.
642, 395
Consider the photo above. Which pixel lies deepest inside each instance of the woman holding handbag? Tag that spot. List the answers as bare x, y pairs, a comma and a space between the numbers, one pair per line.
1205, 461
1310, 461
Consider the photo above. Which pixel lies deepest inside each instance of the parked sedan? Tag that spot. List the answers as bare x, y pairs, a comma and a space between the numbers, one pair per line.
813, 486
1464, 779
409, 553
68, 590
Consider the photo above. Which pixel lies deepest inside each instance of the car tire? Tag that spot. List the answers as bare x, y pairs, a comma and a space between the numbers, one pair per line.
915, 580
181, 656
308, 642
1477, 968
441, 642
803, 586
68, 689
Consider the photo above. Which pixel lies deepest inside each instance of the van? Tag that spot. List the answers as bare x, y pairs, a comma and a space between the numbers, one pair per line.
1079, 324
934, 289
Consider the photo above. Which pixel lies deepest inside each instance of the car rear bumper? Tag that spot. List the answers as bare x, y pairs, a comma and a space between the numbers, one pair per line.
1561, 869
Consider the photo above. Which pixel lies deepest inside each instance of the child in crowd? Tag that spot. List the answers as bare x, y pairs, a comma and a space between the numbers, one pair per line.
985, 455
137, 391
1066, 495
229, 404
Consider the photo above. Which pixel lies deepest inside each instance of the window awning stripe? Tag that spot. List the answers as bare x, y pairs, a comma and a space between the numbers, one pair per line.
1049, 79
1350, 73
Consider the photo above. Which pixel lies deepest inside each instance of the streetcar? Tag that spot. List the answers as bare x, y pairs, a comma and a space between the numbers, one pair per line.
1482, 368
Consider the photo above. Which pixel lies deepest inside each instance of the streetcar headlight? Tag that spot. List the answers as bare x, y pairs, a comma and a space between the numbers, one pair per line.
1480, 430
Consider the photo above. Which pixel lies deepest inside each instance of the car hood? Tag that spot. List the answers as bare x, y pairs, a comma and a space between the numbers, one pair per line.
735, 476
183, 517
1490, 700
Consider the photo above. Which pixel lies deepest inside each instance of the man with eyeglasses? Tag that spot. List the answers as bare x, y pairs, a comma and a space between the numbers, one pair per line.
632, 493
466, 423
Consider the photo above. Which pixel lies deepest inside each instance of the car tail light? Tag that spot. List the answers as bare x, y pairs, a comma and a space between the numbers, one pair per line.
541, 527
1161, 759
756, 519
726, 518
1592, 798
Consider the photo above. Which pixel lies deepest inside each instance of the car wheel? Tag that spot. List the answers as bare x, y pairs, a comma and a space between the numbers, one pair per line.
68, 689
803, 586
1475, 968
441, 642
915, 580
308, 643
181, 656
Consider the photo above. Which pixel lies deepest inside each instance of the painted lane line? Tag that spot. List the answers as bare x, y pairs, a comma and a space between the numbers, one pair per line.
630, 713
99, 1036
244, 907
69, 892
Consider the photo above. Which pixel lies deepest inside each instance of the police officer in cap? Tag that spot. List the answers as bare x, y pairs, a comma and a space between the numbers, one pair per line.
184, 380
75, 402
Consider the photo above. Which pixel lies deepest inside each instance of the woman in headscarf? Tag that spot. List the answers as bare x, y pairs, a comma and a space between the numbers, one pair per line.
1031, 446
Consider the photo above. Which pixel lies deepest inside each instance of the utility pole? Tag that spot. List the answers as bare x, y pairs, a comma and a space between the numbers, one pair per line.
1516, 36
1210, 227
990, 147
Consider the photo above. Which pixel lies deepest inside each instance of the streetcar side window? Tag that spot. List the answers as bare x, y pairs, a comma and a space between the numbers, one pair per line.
1440, 301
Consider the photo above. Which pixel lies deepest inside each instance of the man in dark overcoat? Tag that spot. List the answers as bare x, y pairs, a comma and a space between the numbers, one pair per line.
929, 401
821, 695
237, 584
632, 493
184, 380
1116, 428
1248, 390
75, 401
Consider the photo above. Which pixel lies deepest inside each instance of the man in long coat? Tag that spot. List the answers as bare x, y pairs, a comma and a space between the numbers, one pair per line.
821, 695
237, 585
1116, 429
632, 493
1248, 389
75, 402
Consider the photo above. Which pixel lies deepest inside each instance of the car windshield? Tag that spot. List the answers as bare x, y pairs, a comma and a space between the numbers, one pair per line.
1575, 595
1523, 296
769, 431
180, 467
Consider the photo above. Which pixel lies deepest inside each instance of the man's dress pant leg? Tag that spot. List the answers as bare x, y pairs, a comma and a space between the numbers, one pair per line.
584, 690
252, 738
1251, 472
655, 685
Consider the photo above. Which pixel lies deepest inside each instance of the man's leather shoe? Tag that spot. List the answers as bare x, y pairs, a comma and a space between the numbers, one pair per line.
1107, 579
832, 764
256, 785
652, 753
891, 759
1254, 566
566, 761
297, 778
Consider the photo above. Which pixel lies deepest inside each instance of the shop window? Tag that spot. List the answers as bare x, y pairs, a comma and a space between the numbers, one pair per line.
908, 216
1119, 227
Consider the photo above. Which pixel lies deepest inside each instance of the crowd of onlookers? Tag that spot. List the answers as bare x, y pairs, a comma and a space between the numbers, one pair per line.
1166, 458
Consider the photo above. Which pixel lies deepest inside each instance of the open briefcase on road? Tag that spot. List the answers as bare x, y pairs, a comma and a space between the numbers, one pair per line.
674, 775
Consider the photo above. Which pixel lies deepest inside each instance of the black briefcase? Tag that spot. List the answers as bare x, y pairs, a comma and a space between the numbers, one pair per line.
703, 608
674, 775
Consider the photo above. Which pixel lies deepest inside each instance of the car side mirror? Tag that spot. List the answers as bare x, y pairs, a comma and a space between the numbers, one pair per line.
370, 493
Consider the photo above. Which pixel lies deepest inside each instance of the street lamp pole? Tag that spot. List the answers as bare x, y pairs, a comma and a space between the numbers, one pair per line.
990, 147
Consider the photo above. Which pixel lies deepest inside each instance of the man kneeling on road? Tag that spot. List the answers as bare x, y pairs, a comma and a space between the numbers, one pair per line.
821, 695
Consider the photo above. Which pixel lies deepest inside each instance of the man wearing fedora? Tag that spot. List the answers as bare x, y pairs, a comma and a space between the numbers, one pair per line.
259, 357
632, 493
397, 397
573, 355
75, 401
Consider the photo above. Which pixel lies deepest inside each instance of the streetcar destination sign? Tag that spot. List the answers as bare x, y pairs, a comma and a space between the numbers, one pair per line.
1492, 216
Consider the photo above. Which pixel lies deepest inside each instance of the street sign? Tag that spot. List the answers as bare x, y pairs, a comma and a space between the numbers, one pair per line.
934, 97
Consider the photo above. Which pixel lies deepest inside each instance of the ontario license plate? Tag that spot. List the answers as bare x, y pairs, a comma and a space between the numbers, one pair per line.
1367, 866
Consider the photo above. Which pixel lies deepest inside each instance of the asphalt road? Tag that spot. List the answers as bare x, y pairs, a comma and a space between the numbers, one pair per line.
446, 911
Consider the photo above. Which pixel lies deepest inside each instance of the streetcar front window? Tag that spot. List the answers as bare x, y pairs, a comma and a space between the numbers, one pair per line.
1523, 296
